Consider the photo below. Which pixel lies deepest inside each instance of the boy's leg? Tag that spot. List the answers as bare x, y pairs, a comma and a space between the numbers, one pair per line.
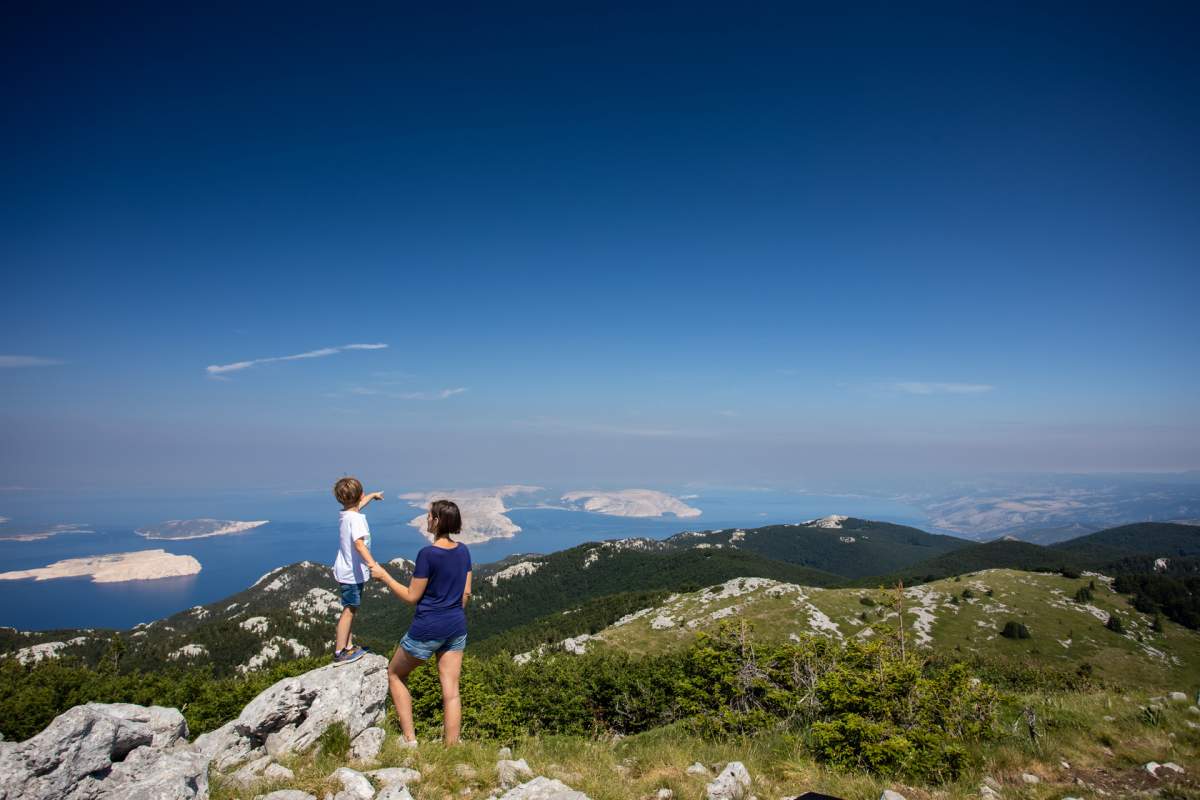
449, 664
401, 665
343, 628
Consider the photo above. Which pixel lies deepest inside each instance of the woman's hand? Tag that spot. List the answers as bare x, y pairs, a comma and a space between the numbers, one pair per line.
379, 573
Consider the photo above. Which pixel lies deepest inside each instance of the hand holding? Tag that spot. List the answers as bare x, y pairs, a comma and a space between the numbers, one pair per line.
379, 573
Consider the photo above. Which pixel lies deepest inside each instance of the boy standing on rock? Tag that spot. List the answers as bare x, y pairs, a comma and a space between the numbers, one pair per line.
352, 566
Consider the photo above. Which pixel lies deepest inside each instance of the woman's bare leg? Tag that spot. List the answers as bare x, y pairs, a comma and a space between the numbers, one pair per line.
449, 666
401, 665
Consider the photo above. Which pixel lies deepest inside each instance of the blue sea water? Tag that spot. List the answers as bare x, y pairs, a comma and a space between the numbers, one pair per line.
304, 527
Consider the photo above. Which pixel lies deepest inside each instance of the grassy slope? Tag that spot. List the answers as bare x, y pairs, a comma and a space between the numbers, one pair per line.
1064, 633
1158, 539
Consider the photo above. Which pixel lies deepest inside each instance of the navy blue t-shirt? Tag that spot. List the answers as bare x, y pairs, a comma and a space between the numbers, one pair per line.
440, 612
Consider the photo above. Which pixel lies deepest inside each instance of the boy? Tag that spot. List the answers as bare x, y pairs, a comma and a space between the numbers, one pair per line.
352, 566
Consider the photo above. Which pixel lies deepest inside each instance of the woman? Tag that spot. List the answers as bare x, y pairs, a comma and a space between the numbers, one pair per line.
440, 589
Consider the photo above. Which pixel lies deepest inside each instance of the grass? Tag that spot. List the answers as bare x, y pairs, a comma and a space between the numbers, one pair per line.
1102, 737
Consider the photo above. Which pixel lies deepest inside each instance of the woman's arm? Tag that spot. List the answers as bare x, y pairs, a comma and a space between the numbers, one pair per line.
410, 594
467, 591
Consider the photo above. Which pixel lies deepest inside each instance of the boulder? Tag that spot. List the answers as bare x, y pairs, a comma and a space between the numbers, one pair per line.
91, 752
168, 724
664, 794
391, 775
250, 772
366, 745
888, 794
286, 794
1030, 778
278, 772
511, 773
355, 785
698, 769
395, 791
1177, 697
290, 716
732, 784
541, 788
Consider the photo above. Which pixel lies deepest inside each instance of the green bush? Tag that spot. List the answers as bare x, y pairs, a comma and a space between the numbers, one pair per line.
1114, 624
1015, 630
1083, 595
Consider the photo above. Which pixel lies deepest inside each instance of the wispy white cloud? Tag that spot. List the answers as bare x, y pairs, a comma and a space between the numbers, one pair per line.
218, 370
924, 387
371, 391
11, 362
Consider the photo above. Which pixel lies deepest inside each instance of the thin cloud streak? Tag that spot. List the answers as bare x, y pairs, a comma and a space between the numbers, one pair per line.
923, 388
13, 362
236, 366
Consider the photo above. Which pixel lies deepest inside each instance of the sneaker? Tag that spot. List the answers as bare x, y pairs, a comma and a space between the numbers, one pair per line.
348, 656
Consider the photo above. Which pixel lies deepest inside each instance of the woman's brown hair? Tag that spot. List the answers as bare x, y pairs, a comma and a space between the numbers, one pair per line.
445, 518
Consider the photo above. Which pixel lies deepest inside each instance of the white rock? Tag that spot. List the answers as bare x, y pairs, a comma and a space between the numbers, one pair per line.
1030, 778
354, 784
1171, 765
664, 794
168, 724
1177, 697
290, 716
1152, 767
662, 622
1194, 710
988, 793
366, 745
504, 753
93, 752
287, 794
278, 772
541, 788
250, 772
698, 769
888, 794
390, 775
511, 773
394, 791
732, 784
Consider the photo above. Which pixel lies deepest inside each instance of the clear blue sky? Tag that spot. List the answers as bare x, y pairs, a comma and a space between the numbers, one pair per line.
649, 245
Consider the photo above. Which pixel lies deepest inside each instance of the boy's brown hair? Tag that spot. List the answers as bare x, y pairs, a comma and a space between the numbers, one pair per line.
348, 491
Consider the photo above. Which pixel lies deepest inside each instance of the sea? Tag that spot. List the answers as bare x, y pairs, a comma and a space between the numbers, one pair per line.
304, 526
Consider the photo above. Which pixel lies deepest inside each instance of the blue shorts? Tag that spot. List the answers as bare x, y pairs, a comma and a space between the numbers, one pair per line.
424, 650
351, 594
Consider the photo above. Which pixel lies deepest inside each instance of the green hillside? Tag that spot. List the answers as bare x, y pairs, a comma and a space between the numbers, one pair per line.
962, 618
1157, 539
842, 545
999, 554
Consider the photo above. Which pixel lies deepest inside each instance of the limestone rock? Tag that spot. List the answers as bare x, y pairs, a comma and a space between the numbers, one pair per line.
664, 794
888, 794
512, 772
504, 753
541, 788
355, 785
79, 742
290, 716
250, 772
366, 745
1030, 778
286, 794
390, 775
394, 791
1177, 697
278, 772
732, 784
698, 769
168, 724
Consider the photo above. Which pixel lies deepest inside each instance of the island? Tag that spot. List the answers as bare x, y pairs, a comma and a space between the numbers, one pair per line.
483, 511
630, 503
140, 565
179, 529
37, 536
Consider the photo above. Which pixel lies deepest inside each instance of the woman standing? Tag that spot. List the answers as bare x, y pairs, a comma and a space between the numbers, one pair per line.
440, 589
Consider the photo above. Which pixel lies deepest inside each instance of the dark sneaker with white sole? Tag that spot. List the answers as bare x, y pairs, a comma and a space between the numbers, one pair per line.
348, 656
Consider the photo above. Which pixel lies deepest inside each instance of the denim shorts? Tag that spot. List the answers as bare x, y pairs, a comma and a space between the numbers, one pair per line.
351, 594
424, 650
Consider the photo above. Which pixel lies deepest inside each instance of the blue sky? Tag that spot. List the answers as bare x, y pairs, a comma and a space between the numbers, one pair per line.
633, 245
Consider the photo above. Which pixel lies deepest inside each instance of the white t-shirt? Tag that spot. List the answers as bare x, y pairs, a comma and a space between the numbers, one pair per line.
349, 567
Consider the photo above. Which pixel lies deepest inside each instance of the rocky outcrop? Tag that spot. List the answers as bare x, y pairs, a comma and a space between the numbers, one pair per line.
96, 751
541, 788
290, 716
732, 784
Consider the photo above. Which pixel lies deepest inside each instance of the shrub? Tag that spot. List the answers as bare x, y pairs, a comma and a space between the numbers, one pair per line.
1015, 630
967, 594
865, 600
1083, 595
1114, 624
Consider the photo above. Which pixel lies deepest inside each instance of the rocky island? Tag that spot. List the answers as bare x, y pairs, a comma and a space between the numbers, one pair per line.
180, 529
141, 565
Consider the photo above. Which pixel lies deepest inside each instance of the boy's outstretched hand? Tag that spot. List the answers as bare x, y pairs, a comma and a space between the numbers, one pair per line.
379, 573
